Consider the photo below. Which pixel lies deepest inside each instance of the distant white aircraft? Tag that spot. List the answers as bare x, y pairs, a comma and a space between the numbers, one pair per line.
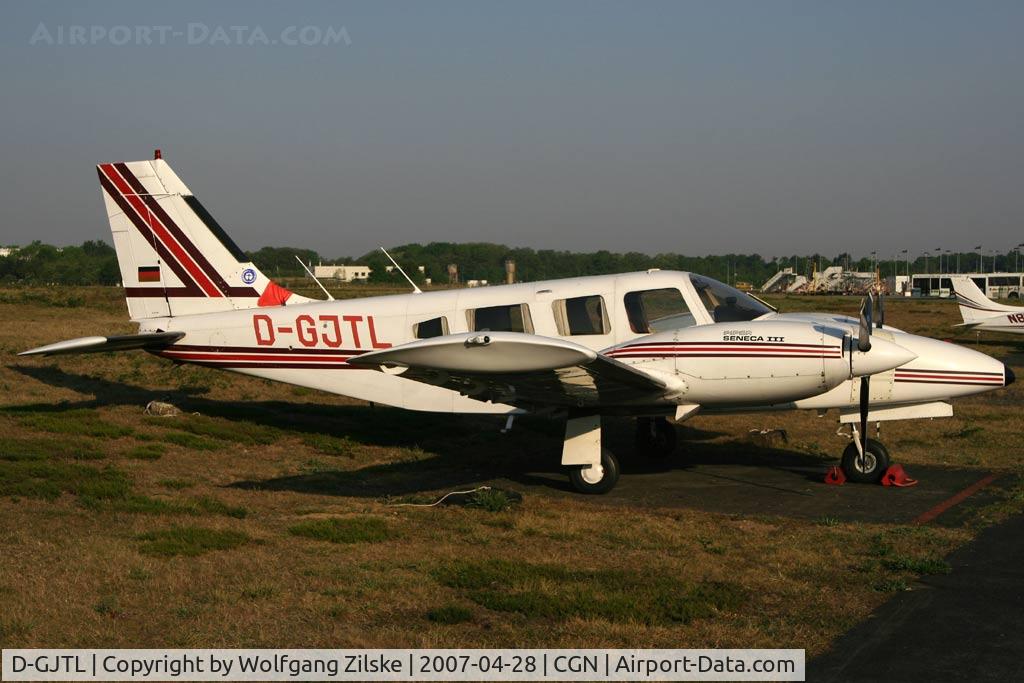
981, 313
655, 345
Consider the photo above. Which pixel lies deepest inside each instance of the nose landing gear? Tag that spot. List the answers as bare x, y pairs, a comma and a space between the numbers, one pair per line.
867, 464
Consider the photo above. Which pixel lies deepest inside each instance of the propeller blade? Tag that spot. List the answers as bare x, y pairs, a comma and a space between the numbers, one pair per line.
864, 336
881, 311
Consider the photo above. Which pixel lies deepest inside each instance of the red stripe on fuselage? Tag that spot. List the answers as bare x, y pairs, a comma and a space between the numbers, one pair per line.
918, 375
948, 381
736, 354
795, 352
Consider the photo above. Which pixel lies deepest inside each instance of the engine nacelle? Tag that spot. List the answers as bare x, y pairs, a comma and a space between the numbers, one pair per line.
758, 362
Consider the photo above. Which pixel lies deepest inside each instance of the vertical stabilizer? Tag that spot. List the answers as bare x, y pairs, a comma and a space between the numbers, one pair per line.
974, 305
175, 258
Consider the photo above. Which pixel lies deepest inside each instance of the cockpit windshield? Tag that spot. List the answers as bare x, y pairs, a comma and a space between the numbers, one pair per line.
727, 304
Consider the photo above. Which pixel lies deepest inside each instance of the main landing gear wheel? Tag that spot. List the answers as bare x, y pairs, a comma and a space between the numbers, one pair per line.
869, 468
596, 478
655, 437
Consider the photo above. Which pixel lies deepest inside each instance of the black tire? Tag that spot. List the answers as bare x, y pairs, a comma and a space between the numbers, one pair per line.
876, 462
1013, 296
655, 437
585, 480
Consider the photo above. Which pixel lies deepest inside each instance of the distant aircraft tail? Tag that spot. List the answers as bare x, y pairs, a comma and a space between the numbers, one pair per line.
175, 258
974, 305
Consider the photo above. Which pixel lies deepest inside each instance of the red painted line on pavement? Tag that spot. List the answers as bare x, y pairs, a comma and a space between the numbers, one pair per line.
955, 499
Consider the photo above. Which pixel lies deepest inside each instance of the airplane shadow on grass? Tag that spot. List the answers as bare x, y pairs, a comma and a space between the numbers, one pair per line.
449, 451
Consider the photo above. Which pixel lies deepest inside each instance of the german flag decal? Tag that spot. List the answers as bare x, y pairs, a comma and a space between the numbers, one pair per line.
149, 273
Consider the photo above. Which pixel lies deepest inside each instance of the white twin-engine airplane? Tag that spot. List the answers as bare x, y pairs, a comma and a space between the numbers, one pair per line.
981, 313
656, 345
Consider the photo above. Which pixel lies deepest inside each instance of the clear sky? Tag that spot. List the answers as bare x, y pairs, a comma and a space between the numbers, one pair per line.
694, 127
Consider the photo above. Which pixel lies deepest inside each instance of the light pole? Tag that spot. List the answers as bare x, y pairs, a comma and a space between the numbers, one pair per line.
907, 286
981, 260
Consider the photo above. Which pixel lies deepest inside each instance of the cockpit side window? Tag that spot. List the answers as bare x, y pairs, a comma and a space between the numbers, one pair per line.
727, 304
657, 310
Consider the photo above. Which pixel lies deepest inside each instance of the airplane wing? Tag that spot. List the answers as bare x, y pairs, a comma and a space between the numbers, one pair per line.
125, 342
518, 369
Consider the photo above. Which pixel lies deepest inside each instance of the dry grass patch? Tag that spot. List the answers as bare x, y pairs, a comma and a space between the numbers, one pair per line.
450, 614
147, 451
344, 530
552, 591
44, 448
48, 480
76, 422
189, 541
331, 445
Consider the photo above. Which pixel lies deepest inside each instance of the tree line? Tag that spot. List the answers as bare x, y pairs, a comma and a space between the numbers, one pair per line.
95, 263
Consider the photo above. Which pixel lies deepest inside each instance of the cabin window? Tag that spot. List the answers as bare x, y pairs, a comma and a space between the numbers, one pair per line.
435, 327
657, 310
580, 315
510, 318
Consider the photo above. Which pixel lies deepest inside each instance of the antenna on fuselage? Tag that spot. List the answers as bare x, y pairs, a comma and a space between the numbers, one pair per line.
415, 289
329, 297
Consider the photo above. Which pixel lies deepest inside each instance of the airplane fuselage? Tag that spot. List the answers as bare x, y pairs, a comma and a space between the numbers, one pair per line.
773, 361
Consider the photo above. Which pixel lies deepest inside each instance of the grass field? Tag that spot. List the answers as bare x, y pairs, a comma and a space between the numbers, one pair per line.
265, 515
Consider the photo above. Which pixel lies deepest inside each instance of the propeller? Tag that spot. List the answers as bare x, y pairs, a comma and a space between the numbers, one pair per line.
864, 345
864, 361
864, 337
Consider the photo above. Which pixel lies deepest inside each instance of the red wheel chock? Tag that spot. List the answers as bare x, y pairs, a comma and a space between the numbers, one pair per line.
896, 476
835, 476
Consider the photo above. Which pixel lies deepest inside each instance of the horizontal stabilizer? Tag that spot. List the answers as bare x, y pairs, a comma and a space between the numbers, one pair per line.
126, 342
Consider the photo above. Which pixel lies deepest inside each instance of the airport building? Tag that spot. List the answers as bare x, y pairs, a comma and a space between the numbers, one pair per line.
343, 273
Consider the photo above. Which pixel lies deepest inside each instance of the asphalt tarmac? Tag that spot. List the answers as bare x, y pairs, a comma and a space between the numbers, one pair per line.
788, 487
962, 626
